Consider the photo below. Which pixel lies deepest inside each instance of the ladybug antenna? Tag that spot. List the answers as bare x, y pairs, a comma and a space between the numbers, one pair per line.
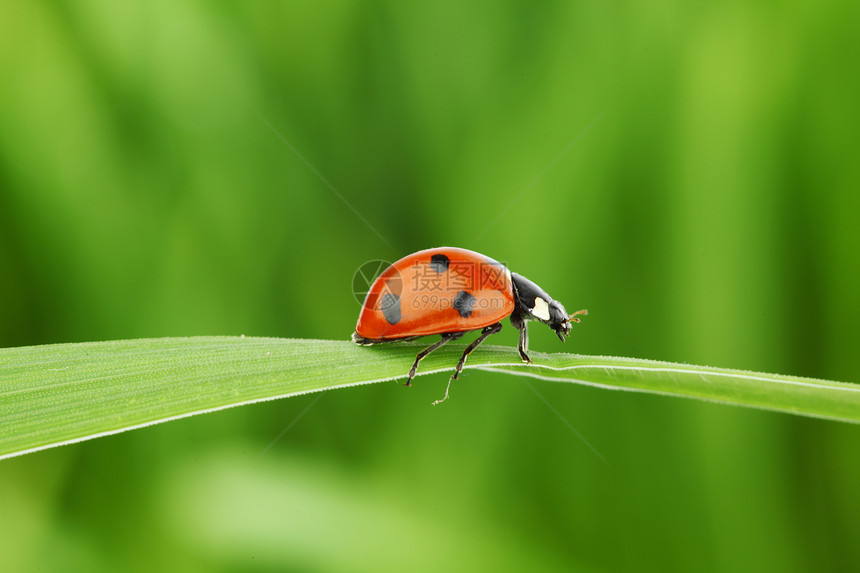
578, 312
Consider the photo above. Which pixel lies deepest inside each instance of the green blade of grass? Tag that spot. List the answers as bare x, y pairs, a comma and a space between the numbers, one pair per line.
59, 394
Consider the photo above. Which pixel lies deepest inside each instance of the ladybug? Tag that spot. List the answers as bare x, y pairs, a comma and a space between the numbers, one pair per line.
451, 291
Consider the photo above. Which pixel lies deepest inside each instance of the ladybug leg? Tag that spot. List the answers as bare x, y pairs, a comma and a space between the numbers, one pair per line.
492, 329
523, 344
448, 337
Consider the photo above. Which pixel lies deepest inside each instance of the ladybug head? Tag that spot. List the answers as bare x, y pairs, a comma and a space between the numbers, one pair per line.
560, 321
535, 304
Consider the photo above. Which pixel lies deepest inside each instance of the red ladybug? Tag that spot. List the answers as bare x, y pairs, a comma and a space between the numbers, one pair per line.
451, 291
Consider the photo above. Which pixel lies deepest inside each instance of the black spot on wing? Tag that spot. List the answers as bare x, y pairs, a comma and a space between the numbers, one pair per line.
439, 263
390, 306
464, 303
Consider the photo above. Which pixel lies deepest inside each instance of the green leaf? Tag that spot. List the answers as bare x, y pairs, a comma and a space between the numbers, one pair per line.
60, 394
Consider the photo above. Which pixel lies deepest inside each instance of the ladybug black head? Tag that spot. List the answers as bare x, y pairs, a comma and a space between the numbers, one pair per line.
558, 319
535, 304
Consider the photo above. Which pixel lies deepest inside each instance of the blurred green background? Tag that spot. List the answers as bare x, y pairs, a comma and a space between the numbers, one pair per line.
710, 216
